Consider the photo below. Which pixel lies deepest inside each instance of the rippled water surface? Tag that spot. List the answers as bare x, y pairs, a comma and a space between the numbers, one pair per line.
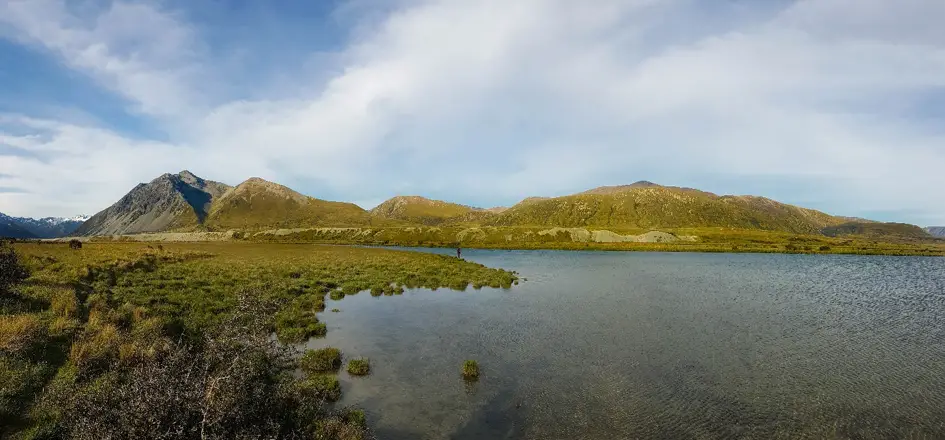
649, 345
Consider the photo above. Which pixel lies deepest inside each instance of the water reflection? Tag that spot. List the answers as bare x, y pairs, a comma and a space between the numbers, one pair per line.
617, 345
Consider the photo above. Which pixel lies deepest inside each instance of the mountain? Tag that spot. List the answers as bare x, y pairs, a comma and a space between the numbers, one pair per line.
424, 211
648, 206
184, 201
171, 201
47, 227
51, 227
257, 203
11, 228
936, 231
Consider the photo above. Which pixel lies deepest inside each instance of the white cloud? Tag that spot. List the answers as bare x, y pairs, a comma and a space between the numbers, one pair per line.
489, 101
147, 55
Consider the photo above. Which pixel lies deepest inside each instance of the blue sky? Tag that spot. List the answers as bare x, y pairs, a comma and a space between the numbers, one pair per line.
837, 105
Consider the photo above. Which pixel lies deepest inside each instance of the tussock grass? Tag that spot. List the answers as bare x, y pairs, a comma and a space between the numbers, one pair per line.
359, 367
323, 360
470, 370
85, 321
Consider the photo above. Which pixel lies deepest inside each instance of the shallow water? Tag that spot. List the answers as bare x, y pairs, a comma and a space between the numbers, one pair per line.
599, 345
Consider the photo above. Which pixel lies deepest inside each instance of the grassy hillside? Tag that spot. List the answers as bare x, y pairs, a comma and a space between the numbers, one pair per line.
424, 211
658, 207
256, 204
876, 230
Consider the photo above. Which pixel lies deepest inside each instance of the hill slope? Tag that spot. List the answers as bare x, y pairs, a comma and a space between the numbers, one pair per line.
421, 210
257, 203
877, 230
168, 202
936, 231
649, 206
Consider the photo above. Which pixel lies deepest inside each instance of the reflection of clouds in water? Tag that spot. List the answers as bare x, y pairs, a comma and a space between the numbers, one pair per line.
613, 345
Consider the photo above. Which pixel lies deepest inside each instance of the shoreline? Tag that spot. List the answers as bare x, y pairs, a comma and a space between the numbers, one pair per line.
871, 248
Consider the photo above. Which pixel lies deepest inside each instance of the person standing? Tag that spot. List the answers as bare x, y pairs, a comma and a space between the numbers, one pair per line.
459, 252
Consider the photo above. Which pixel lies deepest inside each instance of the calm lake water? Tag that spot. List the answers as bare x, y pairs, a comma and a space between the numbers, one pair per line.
599, 345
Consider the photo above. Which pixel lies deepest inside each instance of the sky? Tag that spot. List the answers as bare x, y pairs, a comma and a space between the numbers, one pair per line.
837, 105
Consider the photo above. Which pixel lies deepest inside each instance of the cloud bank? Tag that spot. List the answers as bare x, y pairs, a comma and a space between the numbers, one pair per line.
832, 104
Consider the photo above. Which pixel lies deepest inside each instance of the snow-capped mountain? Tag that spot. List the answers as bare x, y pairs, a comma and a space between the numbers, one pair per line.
47, 227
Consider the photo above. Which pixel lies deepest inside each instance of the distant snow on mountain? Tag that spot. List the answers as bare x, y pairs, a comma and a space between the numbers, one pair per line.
47, 227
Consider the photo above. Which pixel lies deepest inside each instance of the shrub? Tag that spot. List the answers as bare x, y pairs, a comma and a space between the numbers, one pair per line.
75, 244
359, 367
470, 370
824, 248
322, 360
11, 271
236, 383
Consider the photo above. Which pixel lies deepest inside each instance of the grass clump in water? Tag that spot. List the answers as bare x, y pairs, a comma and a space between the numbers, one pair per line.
359, 367
336, 295
470, 370
323, 360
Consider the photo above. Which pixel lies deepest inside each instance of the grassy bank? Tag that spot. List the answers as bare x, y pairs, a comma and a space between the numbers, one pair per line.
98, 338
683, 240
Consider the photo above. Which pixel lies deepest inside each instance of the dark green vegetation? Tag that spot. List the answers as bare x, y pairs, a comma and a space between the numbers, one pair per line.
470, 370
322, 360
124, 340
642, 216
359, 367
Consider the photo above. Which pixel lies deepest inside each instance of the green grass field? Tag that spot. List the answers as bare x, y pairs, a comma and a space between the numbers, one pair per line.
91, 323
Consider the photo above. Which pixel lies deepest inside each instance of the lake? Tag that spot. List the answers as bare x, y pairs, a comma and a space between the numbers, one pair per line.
606, 345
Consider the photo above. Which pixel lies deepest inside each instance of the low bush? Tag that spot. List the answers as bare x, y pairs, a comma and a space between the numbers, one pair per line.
12, 272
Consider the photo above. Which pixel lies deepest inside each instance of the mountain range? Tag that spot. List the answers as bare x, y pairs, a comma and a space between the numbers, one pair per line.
47, 227
184, 202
